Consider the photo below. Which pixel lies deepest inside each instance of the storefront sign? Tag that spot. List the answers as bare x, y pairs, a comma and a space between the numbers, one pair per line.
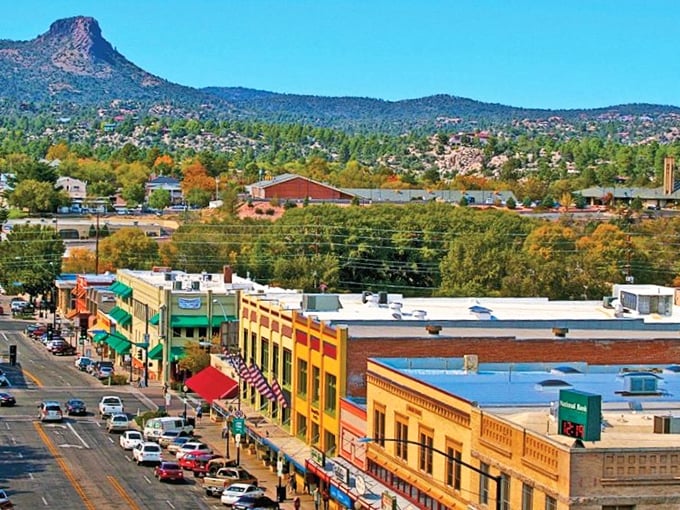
388, 501
238, 426
341, 473
189, 303
341, 497
317, 457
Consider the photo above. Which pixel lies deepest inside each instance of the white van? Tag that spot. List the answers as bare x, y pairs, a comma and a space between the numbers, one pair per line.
155, 427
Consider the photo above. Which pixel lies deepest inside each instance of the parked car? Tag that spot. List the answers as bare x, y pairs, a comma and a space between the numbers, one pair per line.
63, 349
192, 446
177, 443
7, 399
4, 382
168, 471
255, 502
4, 500
147, 453
75, 406
156, 427
50, 410
82, 362
95, 366
117, 423
104, 372
231, 494
130, 438
209, 465
110, 404
191, 459
169, 436
214, 484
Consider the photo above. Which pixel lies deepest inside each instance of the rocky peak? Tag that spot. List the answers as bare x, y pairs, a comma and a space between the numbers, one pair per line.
77, 40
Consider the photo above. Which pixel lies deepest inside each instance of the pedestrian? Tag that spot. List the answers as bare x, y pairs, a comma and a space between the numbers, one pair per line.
326, 498
168, 400
292, 483
296, 502
165, 389
316, 495
306, 487
199, 413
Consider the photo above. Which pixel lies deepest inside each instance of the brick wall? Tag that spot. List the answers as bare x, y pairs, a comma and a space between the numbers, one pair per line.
508, 349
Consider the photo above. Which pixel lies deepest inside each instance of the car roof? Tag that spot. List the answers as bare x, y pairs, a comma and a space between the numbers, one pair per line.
76, 400
50, 402
131, 432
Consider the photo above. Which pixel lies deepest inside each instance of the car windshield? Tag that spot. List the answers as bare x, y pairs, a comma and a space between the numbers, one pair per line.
170, 465
110, 401
171, 433
134, 435
152, 448
52, 407
120, 418
76, 402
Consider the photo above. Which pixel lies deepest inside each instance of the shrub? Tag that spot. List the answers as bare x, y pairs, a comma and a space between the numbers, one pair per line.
115, 380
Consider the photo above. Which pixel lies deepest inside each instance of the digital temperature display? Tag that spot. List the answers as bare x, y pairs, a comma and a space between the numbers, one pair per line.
571, 429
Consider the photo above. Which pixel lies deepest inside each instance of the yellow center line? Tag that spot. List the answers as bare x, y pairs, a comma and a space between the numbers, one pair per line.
60, 461
35, 380
122, 492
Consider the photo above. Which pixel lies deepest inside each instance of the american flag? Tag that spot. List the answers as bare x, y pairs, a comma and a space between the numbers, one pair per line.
237, 361
257, 379
278, 393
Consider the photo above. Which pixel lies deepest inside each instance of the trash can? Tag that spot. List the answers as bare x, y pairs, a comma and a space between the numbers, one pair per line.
281, 493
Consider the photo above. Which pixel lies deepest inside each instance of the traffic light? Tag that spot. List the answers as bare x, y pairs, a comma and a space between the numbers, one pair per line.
12, 355
139, 354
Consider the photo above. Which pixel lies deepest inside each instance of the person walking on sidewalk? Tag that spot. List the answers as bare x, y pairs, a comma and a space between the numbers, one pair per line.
199, 413
296, 502
292, 483
316, 495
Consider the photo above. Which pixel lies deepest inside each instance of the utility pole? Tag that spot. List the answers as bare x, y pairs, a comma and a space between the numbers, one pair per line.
96, 247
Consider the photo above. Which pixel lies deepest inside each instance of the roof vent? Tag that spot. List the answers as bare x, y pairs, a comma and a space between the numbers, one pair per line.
419, 314
565, 370
560, 332
433, 329
471, 363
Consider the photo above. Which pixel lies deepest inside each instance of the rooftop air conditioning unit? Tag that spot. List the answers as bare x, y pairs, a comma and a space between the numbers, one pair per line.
471, 363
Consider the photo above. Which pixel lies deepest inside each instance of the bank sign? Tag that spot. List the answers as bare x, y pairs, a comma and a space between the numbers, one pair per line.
579, 415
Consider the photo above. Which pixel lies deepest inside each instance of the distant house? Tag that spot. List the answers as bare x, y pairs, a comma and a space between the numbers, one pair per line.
167, 183
296, 187
74, 188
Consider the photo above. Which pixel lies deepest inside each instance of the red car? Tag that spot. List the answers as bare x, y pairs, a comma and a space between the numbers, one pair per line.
192, 460
168, 471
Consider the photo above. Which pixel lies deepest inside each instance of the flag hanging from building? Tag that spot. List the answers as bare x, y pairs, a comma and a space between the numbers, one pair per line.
239, 364
257, 379
278, 393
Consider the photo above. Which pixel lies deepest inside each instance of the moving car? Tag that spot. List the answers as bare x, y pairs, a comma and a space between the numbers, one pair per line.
110, 404
231, 494
191, 460
63, 349
192, 446
50, 410
130, 438
75, 406
4, 381
147, 453
104, 372
255, 502
168, 471
7, 399
117, 423
4, 500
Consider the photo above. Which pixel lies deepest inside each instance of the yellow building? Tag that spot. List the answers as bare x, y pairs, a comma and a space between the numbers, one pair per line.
306, 358
447, 436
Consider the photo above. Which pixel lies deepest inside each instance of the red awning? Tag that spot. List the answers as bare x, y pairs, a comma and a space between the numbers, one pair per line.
212, 384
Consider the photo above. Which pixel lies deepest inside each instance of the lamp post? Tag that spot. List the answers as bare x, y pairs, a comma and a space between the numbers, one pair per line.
497, 479
184, 397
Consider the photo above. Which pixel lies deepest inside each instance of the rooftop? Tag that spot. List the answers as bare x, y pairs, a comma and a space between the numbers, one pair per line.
526, 394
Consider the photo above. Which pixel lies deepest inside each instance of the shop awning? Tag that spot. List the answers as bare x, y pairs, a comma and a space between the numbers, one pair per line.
212, 384
120, 316
72, 314
155, 319
79, 292
118, 343
176, 353
98, 328
121, 290
199, 321
100, 337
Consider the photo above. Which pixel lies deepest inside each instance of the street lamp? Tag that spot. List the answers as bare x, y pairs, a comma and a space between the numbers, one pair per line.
497, 479
184, 397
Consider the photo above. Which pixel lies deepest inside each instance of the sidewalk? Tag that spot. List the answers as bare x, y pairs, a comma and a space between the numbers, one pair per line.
211, 433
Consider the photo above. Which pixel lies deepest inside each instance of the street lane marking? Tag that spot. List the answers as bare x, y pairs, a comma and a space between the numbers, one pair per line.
170, 504
70, 426
122, 492
35, 380
4, 336
44, 501
58, 458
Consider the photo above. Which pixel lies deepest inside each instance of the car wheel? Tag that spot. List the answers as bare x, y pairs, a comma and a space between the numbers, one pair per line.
208, 492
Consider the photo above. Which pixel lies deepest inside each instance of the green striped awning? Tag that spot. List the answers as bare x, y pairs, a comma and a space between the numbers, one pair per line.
120, 316
121, 290
118, 343
99, 337
155, 319
157, 352
176, 353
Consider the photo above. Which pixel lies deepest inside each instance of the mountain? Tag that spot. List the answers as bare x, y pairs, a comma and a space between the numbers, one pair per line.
73, 67
73, 63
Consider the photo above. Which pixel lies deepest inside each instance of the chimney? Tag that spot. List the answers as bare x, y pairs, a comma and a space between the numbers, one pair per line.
227, 274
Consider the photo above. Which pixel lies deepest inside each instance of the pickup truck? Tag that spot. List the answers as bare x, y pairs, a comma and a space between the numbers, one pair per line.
215, 484
109, 405
211, 466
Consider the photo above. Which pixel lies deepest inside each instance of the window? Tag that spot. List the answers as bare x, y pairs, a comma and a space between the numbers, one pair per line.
453, 467
253, 345
264, 355
315, 433
618, 507
246, 355
550, 503
287, 373
329, 443
202, 332
301, 426
426, 453
316, 385
401, 427
483, 483
275, 359
379, 426
189, 332
302, 378
330, 394
505, 491
527, 497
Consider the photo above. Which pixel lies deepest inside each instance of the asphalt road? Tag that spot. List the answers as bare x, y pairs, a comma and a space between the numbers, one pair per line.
74, 464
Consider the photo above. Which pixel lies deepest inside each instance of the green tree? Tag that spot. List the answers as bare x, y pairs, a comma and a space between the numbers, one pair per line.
36, 196
159, 199
129, 248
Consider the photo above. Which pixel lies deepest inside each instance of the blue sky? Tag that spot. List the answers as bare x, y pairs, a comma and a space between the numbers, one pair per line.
547, 54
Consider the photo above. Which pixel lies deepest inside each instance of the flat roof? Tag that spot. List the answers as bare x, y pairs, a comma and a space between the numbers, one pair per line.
527, 394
